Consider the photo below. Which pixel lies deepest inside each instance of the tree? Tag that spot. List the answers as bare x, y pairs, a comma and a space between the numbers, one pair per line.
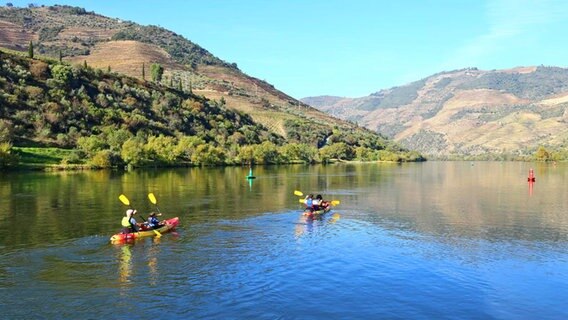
62, 74
7, 158
157, 72
133, 152
266, 152
102, 159
31, 50
339, 151
205, 154
186, 146
299, 151
60, 56
91, 145
246, 154
162, 149
143, 72
6, 131
542, 154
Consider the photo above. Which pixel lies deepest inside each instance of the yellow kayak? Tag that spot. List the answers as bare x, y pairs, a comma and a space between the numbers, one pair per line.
168, 226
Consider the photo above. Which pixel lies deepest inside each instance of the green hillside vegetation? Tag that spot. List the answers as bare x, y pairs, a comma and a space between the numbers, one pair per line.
95, 118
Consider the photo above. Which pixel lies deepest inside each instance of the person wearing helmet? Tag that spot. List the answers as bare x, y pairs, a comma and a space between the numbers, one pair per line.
129, 223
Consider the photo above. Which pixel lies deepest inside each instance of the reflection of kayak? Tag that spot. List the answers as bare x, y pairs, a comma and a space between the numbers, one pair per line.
169, 225
317, 213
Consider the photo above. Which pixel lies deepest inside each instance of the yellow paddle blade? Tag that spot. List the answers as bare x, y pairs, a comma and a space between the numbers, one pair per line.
124, 199
158, 234
152, 198
335, 202
298, 193
301, 200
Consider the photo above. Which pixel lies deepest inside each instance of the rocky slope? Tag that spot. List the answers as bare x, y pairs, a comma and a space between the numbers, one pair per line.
467, 112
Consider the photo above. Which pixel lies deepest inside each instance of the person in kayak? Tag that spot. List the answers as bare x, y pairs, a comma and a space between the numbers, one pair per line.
153, 221
316, 203
309, 201
319, 203
129, 223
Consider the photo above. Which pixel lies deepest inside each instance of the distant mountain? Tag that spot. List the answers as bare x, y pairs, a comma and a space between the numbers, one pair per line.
82, 37
467, 112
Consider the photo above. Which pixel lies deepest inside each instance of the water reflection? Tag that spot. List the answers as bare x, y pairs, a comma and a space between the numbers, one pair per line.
124, 264
153, 253
484, 200
307, 225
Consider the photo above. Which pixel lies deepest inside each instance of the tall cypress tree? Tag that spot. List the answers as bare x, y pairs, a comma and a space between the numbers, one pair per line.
31, 50
157, 72
143, 72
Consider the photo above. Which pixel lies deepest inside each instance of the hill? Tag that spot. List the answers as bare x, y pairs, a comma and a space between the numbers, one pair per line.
76, 93
467, 113
80, 36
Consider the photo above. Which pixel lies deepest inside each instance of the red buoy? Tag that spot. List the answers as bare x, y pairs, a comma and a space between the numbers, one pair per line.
531, 177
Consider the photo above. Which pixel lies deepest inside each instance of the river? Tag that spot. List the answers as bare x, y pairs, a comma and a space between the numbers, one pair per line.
433, 240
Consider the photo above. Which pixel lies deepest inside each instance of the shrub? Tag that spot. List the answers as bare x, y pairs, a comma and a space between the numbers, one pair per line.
62, 74
102, 159
7, 158
39, 69
71, 158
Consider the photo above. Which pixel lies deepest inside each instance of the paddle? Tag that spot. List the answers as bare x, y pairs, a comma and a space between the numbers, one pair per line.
153, 200
333, 203
125, 201
298, 193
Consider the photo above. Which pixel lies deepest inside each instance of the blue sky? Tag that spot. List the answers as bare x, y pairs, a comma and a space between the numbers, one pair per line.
356, 47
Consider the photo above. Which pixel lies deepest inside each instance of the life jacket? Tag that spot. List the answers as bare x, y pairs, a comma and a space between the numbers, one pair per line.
153, 222
309, 202
125, 222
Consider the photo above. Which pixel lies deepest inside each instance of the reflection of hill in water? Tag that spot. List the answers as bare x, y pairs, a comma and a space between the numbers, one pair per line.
486, 200
440, 199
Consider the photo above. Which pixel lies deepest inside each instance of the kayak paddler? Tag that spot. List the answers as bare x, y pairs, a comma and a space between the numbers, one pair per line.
153, 221
129, 223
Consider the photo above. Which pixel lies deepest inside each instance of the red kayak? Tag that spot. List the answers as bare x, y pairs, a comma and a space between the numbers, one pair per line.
169, 225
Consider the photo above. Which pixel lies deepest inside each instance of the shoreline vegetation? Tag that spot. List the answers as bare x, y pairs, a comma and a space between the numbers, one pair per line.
56, 159
73, 117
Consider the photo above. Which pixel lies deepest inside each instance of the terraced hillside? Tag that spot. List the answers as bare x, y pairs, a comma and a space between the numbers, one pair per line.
467, 112
83, 37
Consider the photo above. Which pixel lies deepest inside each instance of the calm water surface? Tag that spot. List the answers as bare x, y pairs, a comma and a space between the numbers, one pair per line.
438, 240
